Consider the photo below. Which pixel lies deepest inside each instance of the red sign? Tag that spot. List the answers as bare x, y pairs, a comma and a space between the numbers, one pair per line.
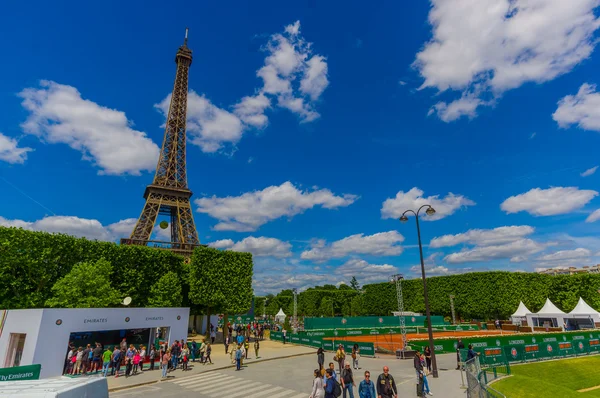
493, 351
532, 348
564, 346
594, 342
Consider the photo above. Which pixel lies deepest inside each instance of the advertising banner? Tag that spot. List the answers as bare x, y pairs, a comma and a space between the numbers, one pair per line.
30, 372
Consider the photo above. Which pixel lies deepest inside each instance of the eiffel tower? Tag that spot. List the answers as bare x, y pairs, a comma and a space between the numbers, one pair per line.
169, 193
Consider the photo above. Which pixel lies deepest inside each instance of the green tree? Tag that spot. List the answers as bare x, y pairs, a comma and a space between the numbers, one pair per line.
166, 292
326, 307
87, 285
354, 284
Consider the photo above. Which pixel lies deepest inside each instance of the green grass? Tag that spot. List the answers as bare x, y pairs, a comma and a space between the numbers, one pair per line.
560, 378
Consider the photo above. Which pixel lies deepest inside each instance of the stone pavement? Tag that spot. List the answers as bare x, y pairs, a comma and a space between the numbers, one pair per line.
292, 378
269, 350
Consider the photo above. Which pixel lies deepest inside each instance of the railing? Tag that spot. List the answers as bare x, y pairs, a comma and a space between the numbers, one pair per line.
478, 378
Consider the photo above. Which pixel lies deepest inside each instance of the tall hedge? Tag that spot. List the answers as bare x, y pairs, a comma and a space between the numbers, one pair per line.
485, 295
478, 295
32, 262
221, 280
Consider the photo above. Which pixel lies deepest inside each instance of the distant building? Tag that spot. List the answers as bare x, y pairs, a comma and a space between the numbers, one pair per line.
593, 269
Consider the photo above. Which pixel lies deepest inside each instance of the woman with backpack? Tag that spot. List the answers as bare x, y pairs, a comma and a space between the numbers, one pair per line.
318, 389
347, 379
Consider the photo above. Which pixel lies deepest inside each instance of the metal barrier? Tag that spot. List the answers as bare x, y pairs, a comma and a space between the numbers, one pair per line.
478, 378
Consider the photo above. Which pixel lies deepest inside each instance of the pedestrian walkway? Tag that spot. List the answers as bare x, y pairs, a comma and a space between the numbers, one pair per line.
269, 350
215, 384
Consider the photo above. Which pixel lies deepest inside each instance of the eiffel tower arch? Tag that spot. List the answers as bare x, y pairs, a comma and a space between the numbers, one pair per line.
169, 195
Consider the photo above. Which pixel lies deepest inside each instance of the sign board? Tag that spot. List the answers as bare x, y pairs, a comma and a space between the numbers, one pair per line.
29, 372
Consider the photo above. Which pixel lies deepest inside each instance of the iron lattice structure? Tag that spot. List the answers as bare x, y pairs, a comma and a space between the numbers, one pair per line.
398, 279
169, 193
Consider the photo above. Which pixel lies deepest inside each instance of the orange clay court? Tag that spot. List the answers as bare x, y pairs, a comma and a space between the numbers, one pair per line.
392, 342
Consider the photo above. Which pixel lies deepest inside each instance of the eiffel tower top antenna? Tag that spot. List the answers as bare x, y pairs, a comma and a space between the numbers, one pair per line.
186, 36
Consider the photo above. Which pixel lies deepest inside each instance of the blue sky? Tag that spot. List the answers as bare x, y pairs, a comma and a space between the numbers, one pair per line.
313, 126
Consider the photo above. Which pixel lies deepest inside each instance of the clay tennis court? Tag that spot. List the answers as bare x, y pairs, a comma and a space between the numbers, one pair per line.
392, 342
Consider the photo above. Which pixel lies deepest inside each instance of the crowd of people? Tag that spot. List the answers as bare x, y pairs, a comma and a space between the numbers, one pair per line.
329, 383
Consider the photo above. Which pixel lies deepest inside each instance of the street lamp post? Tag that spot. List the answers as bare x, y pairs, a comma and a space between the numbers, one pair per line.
430, 211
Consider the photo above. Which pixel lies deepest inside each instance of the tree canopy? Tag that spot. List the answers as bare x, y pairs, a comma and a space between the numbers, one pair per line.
87, 285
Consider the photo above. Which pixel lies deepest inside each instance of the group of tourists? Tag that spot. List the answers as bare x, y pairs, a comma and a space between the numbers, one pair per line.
88, 360
329, 383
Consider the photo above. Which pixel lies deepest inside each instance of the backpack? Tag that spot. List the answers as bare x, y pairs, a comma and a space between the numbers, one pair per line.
347, 376
337, 389
91, 353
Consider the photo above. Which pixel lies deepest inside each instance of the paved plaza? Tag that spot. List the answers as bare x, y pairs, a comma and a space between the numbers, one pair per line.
289, 377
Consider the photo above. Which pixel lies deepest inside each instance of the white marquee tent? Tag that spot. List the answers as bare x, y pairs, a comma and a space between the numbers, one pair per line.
583, 316
549, 316
280, 317
520, 314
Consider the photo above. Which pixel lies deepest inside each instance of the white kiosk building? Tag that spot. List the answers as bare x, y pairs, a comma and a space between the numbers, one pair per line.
42, 336
280, 317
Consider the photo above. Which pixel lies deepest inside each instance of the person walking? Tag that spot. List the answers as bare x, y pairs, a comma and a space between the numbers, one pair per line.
332, 387
165, 363
340, 354
226, 343
256, 348
194, 350
427, 353
320, 358
202, 351
318, 390
459, 346
106, 356
184, 358
152, 357
426, 389
386, 386
117, 356
238, 358
347, 379
355, 356
247, 346
208, 351
366, 388
417, 365
213, 335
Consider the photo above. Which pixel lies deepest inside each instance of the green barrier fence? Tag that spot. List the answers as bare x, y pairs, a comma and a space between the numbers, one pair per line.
480, 343
355, 322
366, 349
347, 332
493, 356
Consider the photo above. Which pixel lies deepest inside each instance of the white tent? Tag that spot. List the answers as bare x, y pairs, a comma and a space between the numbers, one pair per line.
520, 314
280, 317
548, 316
583, 316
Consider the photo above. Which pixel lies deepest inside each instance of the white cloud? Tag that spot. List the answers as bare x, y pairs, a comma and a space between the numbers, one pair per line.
594, 216
486, 47
465, 106
251, 110
104, 136
562, 255
548, 202
80, 227
508, 242
484, 237
516, 250
290, 59
250, 210
208, 126
413, 199
581, 109
380, 244
259, 247
364, 271
10, 151
589, 171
